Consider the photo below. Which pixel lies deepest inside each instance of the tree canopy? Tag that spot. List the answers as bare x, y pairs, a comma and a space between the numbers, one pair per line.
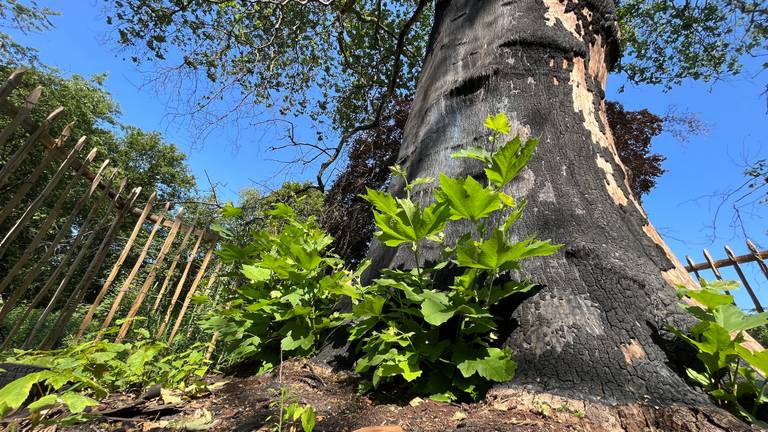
344, 62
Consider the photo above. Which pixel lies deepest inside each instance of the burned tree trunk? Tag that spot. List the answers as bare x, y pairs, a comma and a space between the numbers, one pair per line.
593, 330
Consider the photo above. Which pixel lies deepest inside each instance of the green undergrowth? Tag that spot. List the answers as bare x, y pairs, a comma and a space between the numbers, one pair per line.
732, 374
405, 323
78, 376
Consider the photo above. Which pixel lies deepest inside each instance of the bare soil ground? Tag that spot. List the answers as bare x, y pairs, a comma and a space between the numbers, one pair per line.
248, 404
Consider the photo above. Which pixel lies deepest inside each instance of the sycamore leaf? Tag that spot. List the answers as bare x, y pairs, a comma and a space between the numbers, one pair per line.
731, 318
498, 123
370, 307
381, 201
478, 153
282, 211
256, 274
77, 403
497, 365
709, 298
758, 360
508, 160
230, 211
17, 391
436, 307
467, 198
308, 419
497, 254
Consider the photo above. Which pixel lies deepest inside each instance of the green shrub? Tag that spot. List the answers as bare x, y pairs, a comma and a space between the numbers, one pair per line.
78, 375
292, 285
442, 339
733, 375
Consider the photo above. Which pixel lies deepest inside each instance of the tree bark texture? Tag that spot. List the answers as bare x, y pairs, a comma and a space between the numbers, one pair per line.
594, 327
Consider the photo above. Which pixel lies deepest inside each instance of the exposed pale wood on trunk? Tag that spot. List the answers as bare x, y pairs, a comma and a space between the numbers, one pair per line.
134, 271
15, 160
179, 286
191, 292
37, 267
11, 83
116, 267
744, 281
150, 277
83, 231
76, 297
34, 205
171, 270
21, 191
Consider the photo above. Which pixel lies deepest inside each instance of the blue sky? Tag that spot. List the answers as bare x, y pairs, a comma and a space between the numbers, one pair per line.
683, 207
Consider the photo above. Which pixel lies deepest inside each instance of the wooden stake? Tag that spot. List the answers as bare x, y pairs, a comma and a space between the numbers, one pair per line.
24, 188
11, 83
172, 268
76, 297
73, 266
179, 286
15, 160
744, 281
66, 228
150, 277
116, 267
30, 211
191, 292
134, 271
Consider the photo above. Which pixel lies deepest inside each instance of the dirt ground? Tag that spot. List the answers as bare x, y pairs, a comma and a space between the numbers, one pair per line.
249, 404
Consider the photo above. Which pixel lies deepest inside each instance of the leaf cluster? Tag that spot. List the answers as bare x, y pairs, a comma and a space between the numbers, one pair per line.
443, 340
78, 376
291, 285
732, 374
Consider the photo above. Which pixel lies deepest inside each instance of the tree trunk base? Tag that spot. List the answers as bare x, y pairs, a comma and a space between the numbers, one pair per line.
243, 404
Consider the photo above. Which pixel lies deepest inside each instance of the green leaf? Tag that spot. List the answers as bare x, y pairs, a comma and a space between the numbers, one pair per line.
308, 419
494, 365
256, 274
478, 153
281, 211
497, 254
77, 403
507, 161
17, 391
709, 298
467, 198
370, 306
230, 211
758, 360
44, 402
381, 201
436, 307
732, 319
498, 123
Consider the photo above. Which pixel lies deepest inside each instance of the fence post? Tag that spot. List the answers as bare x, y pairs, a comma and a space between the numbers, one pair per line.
191, 291
116, 267
737, 267
172, 268
150, 277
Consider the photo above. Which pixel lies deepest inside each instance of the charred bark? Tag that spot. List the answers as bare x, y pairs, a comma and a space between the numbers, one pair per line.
593, 329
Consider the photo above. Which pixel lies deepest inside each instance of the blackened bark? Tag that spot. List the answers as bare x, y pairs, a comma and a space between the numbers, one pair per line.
593, 328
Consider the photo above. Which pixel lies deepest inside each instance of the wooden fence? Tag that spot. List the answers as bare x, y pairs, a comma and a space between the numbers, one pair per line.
736, 263
65, 223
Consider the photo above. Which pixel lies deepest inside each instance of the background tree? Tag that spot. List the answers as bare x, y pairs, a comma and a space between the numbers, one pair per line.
23, 17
